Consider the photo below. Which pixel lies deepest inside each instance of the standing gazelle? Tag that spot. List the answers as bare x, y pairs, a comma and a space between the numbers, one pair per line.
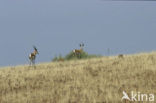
78, 52
32, 56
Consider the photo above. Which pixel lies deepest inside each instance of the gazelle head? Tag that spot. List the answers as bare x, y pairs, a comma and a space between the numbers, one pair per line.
81, 46
35, 50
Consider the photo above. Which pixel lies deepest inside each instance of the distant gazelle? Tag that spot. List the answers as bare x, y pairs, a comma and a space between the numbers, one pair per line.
78, 52
120, 56
32, 56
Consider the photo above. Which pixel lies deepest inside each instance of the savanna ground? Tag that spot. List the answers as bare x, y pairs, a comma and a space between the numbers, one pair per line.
97, 80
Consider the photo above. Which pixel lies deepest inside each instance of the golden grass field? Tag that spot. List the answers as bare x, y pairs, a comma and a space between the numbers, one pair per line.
97, 80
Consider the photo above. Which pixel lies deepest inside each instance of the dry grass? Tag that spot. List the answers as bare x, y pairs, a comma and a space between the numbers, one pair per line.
99, 80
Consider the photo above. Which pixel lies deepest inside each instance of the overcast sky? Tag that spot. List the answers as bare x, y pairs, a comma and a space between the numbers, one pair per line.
58, 26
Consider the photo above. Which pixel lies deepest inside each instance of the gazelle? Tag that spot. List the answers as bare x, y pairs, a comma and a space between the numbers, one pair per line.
120, 56
32, 56
78, 52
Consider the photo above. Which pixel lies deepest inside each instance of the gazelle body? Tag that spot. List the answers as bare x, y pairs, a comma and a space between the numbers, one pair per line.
78, 52
32, 56
120, 56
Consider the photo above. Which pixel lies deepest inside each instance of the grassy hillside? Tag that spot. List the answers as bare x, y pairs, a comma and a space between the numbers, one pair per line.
97, 80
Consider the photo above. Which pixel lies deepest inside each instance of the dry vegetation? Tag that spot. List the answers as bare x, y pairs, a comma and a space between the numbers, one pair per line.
98, 80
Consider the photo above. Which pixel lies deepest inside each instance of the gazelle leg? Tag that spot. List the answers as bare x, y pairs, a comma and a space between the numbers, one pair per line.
30, 63
78, 55
34, 64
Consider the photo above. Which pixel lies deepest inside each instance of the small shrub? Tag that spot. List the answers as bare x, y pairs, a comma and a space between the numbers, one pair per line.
73, 56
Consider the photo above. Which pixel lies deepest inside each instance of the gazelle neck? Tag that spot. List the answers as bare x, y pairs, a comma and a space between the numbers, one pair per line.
81, 48
35, 52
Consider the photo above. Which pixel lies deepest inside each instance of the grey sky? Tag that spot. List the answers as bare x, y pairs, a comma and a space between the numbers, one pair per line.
58, 26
